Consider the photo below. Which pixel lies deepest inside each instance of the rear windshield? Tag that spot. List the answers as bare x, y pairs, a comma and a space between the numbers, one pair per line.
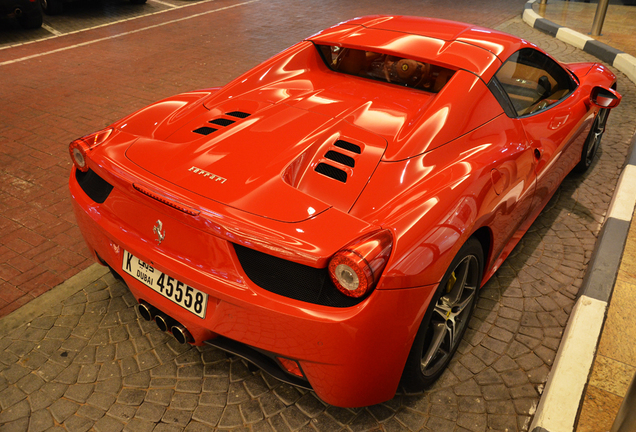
385, 67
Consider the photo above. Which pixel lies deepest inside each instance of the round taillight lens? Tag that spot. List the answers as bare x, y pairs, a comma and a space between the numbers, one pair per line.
356, 269
79, 148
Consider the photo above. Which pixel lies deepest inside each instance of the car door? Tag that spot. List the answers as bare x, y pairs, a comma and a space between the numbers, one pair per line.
546, 103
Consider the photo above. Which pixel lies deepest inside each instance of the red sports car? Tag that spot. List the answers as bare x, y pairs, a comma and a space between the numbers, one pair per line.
331, 214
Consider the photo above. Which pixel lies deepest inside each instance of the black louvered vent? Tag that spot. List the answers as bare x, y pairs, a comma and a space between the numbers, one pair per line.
205, 130
221, 122
238, 114
290, 279
353, 148
332, 172
341, 158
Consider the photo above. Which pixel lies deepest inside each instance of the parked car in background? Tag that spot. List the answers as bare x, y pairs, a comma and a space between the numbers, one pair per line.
54, 7
331, 214
27, 12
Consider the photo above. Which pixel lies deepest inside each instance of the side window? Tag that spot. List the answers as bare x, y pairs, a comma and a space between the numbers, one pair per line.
533, 81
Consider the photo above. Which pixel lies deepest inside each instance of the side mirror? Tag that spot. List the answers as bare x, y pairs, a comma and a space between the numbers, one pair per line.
605, 98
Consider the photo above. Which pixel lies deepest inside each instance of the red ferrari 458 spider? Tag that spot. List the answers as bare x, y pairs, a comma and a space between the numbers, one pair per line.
331, 214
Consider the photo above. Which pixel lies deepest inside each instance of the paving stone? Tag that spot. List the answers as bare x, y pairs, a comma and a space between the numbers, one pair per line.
30, 383
471, 404
79, 392
39, 400
90, 412
110, 386
14, 373
184, 401
139, 425
123, 413
380, 413
310, 405
150, 412
109, 369
62, 409
538, 375
17, 411
494, 345
495, 392
231, 417
287, 394
40, 420
10, 396
271, 404
132, 397
440, 425
487, 376
76, 423
108, 424
209, 415
189, 386
500, 407
502, 422
251, 412
472, 422
177, 417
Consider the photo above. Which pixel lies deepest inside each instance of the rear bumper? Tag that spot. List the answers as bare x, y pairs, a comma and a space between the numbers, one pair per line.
350, 356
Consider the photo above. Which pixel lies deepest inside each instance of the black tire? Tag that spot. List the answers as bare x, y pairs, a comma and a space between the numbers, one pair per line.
593, 141
52, 7
32, 20
446, 319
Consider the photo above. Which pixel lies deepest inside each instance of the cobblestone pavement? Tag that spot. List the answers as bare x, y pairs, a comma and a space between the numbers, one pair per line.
89, 362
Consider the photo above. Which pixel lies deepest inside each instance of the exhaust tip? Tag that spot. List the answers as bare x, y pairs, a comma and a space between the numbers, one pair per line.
18, 12
146, 311
162, 322
181, 334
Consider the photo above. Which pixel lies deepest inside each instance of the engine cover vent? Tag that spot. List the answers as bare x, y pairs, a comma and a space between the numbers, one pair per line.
221, 122
238, 114
353, 148
205, 130
341, 158
331, 172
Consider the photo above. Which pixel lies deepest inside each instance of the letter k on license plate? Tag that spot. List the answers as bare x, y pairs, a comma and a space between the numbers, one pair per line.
185, 296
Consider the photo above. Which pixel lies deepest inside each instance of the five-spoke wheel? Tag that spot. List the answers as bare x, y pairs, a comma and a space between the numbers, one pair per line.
446, 320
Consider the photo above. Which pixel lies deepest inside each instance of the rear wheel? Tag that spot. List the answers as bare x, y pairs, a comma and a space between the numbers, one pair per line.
593, 141
445, 322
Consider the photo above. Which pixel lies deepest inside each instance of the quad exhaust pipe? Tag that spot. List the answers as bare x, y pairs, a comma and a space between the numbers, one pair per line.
165, 323
18, 12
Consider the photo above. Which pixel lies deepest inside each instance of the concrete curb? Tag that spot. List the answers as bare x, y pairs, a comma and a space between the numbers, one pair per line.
617, 58
37, 306
561, 398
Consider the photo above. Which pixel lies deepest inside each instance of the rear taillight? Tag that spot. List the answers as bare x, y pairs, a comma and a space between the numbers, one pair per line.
80, 147
356, 268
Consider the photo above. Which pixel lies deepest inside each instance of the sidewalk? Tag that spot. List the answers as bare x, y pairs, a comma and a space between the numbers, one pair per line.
614, 363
